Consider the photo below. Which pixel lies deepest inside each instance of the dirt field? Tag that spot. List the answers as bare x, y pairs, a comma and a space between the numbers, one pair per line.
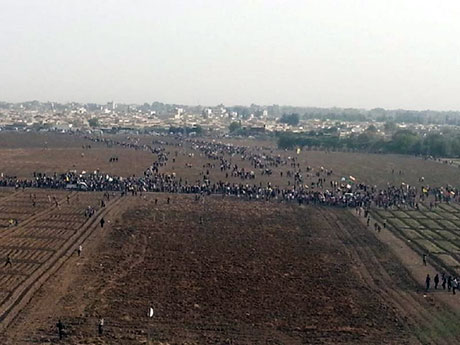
268, 274
373, 169
49, 226
17, 140
23, 162
224, 271
434, 232
22, 154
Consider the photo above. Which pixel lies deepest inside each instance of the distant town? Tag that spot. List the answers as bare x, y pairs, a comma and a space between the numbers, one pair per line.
379, 130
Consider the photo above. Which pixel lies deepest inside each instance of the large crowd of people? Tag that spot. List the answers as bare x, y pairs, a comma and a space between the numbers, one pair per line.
324, 188
301, 184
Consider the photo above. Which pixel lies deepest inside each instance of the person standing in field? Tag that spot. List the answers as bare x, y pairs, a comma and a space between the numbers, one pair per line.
436, 281
102, 222
427, 282
424, 259
454, 285
60, 327
79, 250
101, 326
8, 261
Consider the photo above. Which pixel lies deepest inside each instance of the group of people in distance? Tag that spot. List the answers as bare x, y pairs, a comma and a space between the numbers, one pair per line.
241, 167
323, 186
447, 281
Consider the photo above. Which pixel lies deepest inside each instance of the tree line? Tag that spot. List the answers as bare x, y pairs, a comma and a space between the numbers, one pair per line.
402, 141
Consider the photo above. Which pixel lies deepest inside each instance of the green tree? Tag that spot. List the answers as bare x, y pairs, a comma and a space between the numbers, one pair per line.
93, 122
290, 119
404, 141
287, 141
437, 145
390, 126
234, 126
372, 129
456, 146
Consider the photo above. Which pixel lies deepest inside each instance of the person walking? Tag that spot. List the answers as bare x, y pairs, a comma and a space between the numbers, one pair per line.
427, 282
436, 281
79, 250
60, 327
102, 222
444, 281
424, 259
101, 326
454, 285
9, 261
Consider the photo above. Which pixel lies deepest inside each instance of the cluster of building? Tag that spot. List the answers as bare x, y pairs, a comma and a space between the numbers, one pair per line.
45, 116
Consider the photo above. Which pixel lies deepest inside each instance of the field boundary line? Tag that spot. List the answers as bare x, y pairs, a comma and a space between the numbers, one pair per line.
414, 246
32, 218
408, 303
23, 294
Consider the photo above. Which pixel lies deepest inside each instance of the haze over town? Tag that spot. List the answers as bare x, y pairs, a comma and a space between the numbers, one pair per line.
323, 53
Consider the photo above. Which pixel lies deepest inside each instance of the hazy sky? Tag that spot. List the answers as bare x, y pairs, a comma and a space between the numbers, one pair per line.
347, 53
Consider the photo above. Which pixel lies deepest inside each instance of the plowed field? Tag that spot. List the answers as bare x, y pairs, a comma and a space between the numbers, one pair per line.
222, 271
246, 273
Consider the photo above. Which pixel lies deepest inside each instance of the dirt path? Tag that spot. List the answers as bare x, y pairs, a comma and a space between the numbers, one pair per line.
433, 316
414, 264
24, 292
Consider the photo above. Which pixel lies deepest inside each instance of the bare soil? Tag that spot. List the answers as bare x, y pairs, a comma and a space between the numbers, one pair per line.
246, 273
22, 154
251, 273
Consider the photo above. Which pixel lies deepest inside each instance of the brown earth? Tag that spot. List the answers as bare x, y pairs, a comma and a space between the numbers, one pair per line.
22, 154
24, 162
16, 140
373, 169
252, 273
248, 273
